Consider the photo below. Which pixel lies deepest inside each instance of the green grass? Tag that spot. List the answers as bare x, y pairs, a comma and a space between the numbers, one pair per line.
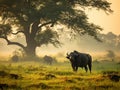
38, 76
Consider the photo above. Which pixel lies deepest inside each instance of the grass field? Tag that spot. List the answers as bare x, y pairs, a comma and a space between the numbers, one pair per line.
38, 76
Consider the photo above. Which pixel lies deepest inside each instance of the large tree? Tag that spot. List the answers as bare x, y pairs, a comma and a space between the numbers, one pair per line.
35, 19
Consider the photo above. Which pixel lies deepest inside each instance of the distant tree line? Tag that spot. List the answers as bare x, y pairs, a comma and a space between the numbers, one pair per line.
111, 39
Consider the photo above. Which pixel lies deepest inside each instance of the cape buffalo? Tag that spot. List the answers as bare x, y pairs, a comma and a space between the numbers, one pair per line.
49, 60
78, 59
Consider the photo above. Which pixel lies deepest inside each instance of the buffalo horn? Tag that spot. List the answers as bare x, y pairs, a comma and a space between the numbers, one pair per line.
67, 54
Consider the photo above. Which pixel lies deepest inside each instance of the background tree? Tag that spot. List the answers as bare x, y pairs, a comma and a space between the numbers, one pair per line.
111, 54
35, 19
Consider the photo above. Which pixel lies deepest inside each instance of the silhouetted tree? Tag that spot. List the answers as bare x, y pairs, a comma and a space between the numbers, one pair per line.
35, 19
15, 58
111, 41
111, 54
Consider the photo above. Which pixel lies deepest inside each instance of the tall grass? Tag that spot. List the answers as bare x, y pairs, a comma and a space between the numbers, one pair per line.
38, 76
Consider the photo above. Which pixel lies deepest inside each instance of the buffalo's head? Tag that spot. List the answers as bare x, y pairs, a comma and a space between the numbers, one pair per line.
68, 56
71, 56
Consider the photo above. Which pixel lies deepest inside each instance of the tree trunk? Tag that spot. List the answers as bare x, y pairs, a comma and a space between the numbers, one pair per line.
30, 33
30, 49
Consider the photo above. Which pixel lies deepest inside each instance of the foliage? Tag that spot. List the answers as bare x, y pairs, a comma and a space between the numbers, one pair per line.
111, 39
36, 19
46, 37
111, 54
14, 58
5, 30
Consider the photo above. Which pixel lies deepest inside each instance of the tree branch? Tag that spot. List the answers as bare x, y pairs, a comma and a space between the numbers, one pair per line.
50, 22
18, 32
13, 43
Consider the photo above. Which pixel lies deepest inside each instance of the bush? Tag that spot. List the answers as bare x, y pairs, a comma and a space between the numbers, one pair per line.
15, 58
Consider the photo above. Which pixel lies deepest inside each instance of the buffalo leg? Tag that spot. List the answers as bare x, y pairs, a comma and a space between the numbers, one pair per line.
73, 67
86, 69
89, 65
89, 68
76, 68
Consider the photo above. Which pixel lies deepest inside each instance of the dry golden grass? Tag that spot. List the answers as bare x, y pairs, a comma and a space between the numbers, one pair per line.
39, 76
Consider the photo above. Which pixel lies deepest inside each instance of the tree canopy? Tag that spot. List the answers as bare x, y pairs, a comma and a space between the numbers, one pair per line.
35, 19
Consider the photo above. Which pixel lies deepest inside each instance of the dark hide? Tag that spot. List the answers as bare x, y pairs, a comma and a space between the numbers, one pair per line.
82, 60
48, 59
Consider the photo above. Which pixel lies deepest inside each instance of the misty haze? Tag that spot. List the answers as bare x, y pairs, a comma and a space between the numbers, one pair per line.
59, 45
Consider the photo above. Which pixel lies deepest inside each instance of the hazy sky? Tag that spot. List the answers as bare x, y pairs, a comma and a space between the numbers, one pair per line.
109, 22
